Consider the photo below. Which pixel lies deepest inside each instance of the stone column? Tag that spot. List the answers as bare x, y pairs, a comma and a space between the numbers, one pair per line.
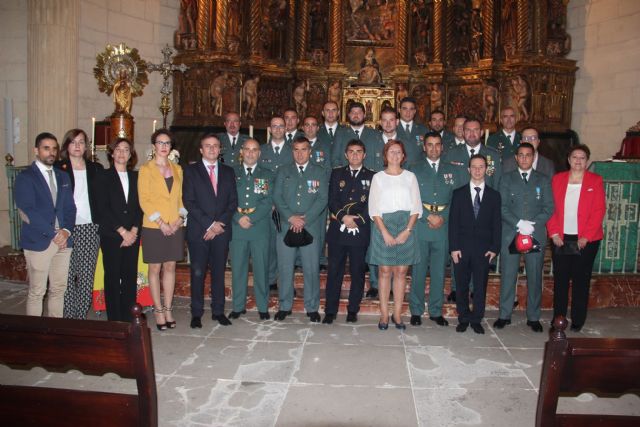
222, 18
523, 41
437, 30
488, 25
52, 67
203, 25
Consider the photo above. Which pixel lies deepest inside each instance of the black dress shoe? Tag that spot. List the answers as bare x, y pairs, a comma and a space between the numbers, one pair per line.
328, 319
372, 293
282, 314
273, 287
451, 297
462, 327
501, 323
576, 328
221, 318
352, 317
415, 320
535, 325
196, 322
439, 320
264, 316
314, 316
515, 303
477, 328
236, 314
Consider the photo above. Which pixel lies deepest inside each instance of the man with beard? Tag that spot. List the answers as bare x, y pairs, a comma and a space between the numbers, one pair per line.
436, 124
357, 130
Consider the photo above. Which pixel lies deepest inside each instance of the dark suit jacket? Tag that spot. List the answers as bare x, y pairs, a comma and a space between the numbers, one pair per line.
33, 198
349, 196
544, 166
203, 205
115, 210
93, 170
475, 236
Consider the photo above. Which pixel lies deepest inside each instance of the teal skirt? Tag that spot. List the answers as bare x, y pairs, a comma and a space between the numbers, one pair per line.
406, 254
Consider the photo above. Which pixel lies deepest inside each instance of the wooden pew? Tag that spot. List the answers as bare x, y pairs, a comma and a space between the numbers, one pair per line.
607, 367
92, 347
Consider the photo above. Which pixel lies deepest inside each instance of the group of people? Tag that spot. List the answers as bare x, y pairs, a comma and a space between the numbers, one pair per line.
403, 196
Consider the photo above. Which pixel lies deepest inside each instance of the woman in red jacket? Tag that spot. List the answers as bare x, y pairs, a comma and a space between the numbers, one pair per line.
576, 231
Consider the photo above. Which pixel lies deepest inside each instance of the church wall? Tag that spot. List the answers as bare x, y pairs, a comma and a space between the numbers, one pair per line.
606, 43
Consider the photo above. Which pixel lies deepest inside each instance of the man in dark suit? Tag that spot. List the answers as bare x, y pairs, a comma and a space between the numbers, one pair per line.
209, 194
349, 230
409, 131
507, 139
232, 139
44, 198
540, 163
474, 240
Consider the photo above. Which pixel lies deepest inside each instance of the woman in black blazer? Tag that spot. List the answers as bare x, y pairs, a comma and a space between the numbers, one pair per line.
120, 220
83, 173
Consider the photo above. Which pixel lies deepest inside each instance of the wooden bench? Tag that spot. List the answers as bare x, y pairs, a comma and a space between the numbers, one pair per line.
92, 347
607, 367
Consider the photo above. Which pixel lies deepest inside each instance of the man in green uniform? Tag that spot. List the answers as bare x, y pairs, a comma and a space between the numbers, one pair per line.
437, 181
527, 205
291, 122
357, 130
437, 124
232, 139
330, 125
410, 132
301, 197
251, 227
506, 140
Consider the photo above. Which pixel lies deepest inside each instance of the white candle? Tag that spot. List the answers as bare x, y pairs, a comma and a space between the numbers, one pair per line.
486, 136
93, 129
251, 131
268, 134
154, 125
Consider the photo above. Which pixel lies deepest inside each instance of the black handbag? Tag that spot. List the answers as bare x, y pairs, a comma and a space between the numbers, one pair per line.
296, 240
275, 217
570, 247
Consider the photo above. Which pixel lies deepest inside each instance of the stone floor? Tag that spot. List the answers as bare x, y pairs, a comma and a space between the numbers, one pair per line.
294, 373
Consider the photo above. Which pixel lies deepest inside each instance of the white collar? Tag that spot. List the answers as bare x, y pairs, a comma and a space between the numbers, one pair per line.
358, 129
274, 144
304, 167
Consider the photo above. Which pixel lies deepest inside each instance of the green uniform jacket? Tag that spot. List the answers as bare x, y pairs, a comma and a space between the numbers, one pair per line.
323, 134
373, 143
436, 188
459, 156
272, 161
231, 156
302, 194
448, 140
500, 142
321, 154
254, 192
532, 201
413, 142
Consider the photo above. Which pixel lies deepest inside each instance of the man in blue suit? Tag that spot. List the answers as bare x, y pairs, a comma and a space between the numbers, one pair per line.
209, 194
44, 198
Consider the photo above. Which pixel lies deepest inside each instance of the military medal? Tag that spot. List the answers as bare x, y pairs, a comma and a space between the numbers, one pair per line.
537, 193
312, 186
342, 184
491, 168
319, 156
260, 186
365, 183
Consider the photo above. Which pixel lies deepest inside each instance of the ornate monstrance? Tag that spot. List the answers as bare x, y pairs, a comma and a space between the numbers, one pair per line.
122, 74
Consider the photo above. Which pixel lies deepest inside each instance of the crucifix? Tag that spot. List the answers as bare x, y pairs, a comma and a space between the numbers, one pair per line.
166, 68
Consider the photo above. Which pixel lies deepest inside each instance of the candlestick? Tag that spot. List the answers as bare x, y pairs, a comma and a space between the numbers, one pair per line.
154, 125
251, 131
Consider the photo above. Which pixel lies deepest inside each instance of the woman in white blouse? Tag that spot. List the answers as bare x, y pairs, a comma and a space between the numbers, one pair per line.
394, 207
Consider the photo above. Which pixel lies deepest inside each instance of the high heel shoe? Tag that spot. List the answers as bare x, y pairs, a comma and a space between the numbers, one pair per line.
170, 324
383, 326
401, 326
156, 312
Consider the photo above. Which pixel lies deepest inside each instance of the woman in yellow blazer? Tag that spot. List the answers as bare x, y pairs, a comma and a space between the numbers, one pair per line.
160, 193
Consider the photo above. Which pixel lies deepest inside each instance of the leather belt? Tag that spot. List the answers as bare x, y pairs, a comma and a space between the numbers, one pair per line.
434, 208
246, 211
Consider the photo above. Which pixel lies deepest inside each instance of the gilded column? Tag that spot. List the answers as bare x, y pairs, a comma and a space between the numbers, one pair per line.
302, 31
52, 67
437, 30
254, 29
291, 32
203, 23
401, 34
488, 23
336, 50
522, 37
449, 30
540, 27
222, 19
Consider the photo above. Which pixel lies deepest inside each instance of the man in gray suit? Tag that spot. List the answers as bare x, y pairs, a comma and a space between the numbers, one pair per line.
527, 205
540, 163
232, 139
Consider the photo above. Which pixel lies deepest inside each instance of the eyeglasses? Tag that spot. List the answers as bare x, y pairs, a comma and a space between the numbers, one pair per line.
530, 138
165, 143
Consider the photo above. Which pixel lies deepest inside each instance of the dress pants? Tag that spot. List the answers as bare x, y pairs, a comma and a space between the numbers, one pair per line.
335, 274
509, 264
273, 258
433, 257
471, 266
82, 269
120, 277
52, 264
310, 268
210, 254
240, 251
576, 269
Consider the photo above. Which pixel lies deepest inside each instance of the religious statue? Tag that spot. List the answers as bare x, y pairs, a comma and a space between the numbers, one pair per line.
234, 26
215, 92
435, 97
122, 96
370, 69
185, 36
508, 27
401, 93
520, 93
318, 18
489, 102
250, 96
420, 28
476, 35
334, 93
276, 26
299, 98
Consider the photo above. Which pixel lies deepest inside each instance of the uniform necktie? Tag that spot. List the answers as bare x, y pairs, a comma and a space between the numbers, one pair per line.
289, 138
249, 171
54, 192
277, 150
473, 151
301, 169
233, 143
509, 138
524, 177
331, 132
408, 129
357, 133
212, 177
433, 165
354, 172
476, 202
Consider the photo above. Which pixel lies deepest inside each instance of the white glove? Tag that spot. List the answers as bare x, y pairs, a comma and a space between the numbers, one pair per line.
525, 227
353, 231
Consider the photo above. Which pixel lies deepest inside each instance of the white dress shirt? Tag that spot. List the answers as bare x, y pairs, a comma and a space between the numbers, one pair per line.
472, 189
392, 193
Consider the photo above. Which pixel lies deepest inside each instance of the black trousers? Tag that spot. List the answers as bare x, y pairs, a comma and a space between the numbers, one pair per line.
574, 269
211, 254
120, 277
474, 266
335, 274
